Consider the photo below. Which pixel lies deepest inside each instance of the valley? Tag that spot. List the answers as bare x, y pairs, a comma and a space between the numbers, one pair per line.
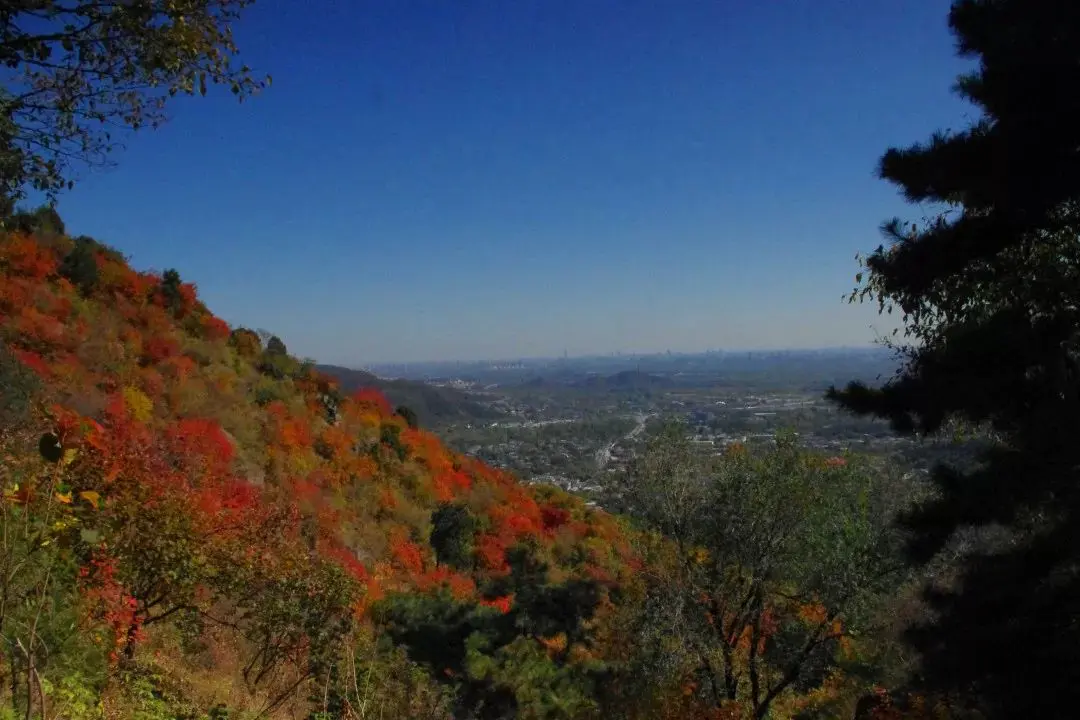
566, 421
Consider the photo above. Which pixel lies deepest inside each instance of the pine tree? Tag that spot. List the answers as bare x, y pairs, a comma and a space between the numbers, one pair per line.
989, 292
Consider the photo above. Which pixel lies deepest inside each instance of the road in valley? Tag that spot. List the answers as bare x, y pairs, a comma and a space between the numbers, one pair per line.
604, 454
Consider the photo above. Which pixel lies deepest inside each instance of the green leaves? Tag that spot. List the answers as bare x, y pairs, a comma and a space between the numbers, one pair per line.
79, 67
768, 530
452, 530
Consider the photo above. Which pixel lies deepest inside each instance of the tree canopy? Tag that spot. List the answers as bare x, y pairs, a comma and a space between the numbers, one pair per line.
988, 291
77, 72
783, 556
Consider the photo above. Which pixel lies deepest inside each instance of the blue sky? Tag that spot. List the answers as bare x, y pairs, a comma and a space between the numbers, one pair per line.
432, 180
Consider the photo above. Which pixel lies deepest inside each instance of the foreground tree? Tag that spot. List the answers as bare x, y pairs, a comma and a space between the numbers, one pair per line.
990, 297
77, 71
779, 556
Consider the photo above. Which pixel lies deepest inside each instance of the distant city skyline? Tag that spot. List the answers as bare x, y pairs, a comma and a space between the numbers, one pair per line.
869, 347
461, 180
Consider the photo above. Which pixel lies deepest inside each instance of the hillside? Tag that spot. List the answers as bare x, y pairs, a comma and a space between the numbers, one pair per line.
433, 405
195, 524
227, 521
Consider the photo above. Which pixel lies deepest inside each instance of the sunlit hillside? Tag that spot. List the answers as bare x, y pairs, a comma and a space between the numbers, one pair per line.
221, 514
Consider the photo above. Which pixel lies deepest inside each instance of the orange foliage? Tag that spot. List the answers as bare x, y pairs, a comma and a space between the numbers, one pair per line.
214, 328
372, 398
295, 433
812, 613
407, 556
461, 587
24, 256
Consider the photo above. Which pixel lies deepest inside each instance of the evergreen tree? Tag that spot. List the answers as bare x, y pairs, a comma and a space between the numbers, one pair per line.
989, 292
170, 288
275, 346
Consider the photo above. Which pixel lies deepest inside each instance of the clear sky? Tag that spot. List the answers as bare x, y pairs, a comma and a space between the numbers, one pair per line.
434, 180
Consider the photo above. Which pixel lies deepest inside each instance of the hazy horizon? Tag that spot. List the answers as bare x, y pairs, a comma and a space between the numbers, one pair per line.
432, 180
869, 347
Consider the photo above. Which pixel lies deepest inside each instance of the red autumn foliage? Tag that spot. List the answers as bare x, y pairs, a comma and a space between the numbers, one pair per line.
202, 441
553, 517
157, 349
23, 255
407, 556
177, 367
349, 562
373, 398
15, 293
295, 433
461, 587
108, 602
214, 328
39, 330
33, 361
188, 295
491, 551
502, 604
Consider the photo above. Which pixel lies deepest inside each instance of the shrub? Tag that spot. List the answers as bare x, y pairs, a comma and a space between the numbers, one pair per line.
408, 416
246, 342
80, 265
452, 530
17, 388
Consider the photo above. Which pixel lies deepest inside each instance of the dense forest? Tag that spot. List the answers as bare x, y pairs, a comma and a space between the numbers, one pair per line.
194, 523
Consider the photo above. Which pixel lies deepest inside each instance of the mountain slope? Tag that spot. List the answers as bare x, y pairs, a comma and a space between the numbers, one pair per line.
225, 525
432, 405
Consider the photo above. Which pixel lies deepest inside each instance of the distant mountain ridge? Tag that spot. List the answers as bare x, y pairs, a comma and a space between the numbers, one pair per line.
432, 405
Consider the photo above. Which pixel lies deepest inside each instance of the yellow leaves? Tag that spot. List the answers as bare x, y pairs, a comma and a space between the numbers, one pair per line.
68, 457
138, 404
91, 497
63, 524
700, 556
64, 498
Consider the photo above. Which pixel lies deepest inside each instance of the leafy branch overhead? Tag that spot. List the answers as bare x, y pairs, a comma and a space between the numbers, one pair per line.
76, 74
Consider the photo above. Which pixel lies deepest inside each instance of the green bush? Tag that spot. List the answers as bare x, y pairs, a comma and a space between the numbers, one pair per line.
18, 385
80, 265
453, 528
